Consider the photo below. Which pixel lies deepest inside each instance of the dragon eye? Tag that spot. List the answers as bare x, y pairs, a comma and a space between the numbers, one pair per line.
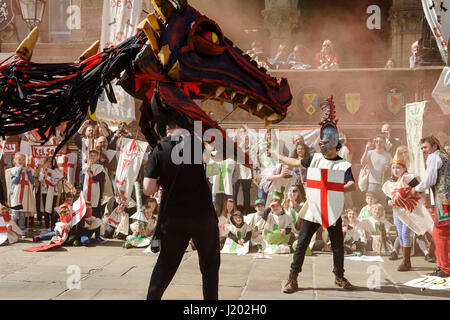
206, 38
211, 36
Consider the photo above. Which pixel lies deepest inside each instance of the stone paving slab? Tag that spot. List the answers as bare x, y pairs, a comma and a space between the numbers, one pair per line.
109, 272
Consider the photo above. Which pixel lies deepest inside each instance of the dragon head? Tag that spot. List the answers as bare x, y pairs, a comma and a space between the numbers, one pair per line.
185, 47
176, 57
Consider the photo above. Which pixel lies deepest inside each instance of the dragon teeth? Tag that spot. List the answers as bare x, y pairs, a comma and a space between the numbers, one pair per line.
245, 100
233, 94
273, 117
260, 106
219, 91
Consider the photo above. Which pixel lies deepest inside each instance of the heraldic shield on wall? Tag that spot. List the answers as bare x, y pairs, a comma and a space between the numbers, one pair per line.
325, 194
6, 13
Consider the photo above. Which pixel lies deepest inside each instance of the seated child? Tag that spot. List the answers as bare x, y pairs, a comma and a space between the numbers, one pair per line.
375, 229
143, 231
238, 236
88, 225
352, 238
62, 228
370, 200
256, 222
278, 235
12, 230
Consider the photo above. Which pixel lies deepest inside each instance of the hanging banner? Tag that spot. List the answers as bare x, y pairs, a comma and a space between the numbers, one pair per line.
129, 164
120, 19
414, 124
38, 151
11, 148
438, 16
441, 93
78, 210
6, 13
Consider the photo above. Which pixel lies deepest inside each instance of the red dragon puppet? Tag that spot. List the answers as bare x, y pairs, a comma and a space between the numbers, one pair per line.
177, 56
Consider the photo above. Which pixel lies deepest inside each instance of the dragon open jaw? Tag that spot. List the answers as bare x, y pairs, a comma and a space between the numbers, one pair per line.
237, 99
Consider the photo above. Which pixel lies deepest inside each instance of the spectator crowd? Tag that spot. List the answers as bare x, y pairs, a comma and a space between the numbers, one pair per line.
259, 208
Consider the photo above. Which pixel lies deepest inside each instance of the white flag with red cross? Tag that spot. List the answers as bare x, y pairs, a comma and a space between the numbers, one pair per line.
78, 210
325, 194
128, 166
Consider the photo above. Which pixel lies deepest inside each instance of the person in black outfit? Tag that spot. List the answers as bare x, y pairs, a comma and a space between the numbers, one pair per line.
186, 212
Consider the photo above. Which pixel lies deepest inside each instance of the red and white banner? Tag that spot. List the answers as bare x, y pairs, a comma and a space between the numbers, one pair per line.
2, 146
325, 194
119, 21
130, 160
3, 231
78, 210
11, 148
43, 151
67, 162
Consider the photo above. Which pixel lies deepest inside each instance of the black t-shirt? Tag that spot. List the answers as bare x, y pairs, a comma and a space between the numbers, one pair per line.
306, 162
189, 191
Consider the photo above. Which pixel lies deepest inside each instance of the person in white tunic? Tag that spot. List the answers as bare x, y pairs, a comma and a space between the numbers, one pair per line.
21, 190
278, 229
375, 229
9, 231
410, 212
142, 231
93, 187
352, 238
49, 178
256, 222
239, 235
282, 178
222, 183
323, 209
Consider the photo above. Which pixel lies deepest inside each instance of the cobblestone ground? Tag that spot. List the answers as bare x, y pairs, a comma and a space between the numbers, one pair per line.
107, 271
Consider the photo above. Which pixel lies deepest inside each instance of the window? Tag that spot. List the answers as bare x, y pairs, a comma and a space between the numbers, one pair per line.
58, 20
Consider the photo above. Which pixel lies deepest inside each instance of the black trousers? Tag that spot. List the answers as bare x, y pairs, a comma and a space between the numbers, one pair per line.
307, 230
176, 233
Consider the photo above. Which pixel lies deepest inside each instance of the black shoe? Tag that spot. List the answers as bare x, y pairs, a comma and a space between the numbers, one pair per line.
438, 273
393, 256
430, 258
343, 283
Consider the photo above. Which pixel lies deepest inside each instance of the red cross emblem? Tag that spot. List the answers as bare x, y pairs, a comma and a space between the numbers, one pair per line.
66, 165
23, 183
324, 186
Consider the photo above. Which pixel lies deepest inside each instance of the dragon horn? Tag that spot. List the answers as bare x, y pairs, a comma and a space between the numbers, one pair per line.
92, 50
166, 8
25, 50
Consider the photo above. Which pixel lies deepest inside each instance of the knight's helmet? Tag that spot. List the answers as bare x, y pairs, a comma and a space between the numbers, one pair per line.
329, 135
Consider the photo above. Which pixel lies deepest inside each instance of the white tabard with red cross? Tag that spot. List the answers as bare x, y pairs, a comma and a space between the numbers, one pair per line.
23, 191
325, 194
129, 164
91, 187
67, 162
